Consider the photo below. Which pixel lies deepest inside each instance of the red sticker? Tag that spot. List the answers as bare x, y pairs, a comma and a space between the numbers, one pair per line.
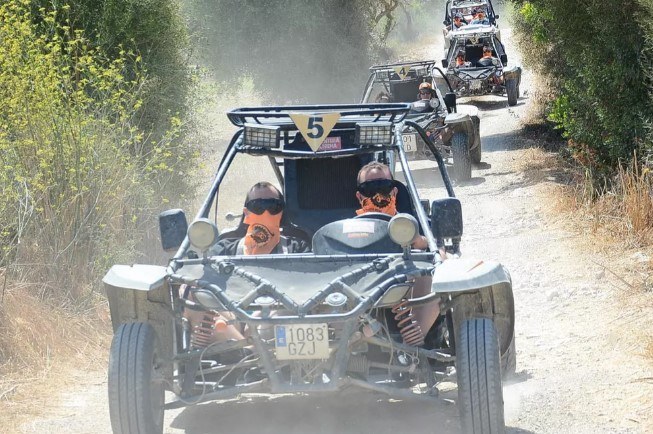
331, 144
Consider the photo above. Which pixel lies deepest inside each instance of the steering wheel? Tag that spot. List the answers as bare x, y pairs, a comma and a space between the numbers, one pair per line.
374, 215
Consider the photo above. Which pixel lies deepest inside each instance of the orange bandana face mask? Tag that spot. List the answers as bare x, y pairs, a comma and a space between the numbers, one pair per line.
379, 203
263, 233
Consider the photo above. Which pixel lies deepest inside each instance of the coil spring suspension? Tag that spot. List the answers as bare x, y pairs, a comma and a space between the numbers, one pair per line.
202, 332
410, 331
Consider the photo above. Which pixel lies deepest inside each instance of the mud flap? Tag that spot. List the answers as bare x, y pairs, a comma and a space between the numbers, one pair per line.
152, 306
495, 302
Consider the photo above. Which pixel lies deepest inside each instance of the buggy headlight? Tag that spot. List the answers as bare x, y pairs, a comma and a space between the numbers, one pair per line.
393, 295
402, 229
202, 233
374, 133
266, 136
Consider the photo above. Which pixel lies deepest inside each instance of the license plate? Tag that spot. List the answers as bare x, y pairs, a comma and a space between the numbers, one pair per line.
476, 84
301, 341
410, 142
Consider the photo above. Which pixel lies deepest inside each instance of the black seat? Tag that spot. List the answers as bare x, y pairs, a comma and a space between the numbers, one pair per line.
473, 53
320, 191
404, 90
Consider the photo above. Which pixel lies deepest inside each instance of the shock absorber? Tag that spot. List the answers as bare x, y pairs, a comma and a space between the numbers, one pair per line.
410, 331
202, 331
204, 328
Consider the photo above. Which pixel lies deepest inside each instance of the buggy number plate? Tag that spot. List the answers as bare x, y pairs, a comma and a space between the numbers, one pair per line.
476, 84
301, 341
410, 142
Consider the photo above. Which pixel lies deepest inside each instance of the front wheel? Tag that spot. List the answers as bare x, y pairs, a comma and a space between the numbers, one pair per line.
512, 89
462, 163
478, 367
136, 393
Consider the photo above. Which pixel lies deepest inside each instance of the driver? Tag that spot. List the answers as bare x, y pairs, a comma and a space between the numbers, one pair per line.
425, 91
460, 60
377, 192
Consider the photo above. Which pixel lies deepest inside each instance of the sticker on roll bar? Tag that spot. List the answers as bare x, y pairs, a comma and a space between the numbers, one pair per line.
315, 128
402, 71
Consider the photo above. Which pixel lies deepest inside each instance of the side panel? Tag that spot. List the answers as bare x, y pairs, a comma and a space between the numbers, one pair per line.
153, 307
495, 302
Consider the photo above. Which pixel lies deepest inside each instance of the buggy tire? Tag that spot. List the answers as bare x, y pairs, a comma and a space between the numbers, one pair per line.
509, 360
512, 90
462, 163
135, 397
478, 368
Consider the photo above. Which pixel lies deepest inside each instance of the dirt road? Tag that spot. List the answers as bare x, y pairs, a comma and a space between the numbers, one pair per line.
578, 367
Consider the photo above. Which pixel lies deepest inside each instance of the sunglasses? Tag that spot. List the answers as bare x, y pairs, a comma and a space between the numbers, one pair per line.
425, 92
375, 186
259, 206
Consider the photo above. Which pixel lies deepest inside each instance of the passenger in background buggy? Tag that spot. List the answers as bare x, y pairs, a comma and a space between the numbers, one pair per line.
480, 18
460, 60
262, 213
425, 91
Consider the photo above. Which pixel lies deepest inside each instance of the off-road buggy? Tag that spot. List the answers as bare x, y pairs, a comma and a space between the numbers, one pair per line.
477, 75
454, 129
335, 318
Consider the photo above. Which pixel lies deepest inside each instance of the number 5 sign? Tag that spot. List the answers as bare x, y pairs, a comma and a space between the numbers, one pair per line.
315, 127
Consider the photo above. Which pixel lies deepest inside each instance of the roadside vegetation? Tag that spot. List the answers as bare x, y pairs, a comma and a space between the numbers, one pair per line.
595, 62
88, 160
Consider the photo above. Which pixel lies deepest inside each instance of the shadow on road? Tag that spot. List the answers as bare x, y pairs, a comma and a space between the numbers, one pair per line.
345, 413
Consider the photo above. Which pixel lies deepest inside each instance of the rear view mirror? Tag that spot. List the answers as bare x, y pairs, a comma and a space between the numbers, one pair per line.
445, 63
450, 101
504, 59
496, 17
172, 227
447, 219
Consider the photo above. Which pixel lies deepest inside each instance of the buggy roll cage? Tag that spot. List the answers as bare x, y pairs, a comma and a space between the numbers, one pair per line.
383, 74
453, 4
473, 35
350, 116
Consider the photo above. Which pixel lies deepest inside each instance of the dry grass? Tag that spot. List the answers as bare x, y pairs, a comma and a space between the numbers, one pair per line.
38, 343
616, 224
621, 213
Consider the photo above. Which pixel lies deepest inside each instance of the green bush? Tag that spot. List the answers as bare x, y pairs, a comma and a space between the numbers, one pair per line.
593, 52
78, 175
154, 29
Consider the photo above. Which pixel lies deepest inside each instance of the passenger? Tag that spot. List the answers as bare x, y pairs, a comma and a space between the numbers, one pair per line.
460, 60
480, 18
262, 213
458, 21
377, 192
382, 97
487, 59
